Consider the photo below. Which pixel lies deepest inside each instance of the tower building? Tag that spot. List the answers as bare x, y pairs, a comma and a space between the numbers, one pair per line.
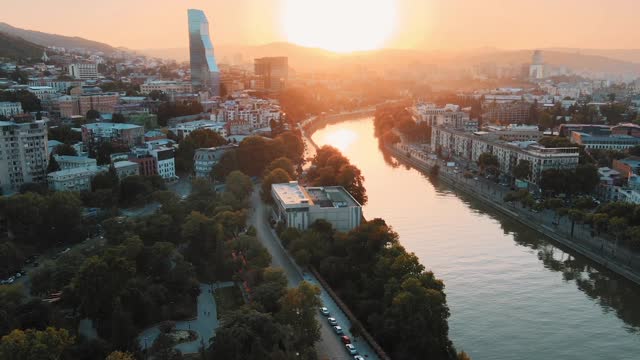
205, 74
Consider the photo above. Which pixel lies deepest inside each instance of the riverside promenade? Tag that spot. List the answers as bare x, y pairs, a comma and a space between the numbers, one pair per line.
603, 251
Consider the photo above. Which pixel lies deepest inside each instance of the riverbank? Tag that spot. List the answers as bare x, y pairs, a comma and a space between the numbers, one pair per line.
609, 257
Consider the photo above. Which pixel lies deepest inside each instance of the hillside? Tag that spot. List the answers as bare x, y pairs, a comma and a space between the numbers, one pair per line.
45, 39
16, 48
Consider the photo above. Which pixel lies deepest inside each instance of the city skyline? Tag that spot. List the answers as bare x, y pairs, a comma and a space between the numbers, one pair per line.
430, 25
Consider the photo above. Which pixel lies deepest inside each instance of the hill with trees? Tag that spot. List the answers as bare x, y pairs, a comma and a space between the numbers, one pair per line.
14, 47
46, 39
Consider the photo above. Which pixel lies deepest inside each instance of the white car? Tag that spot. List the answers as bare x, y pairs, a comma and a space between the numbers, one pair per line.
332, 321
324, 311
358, 357
351, 349
338, 330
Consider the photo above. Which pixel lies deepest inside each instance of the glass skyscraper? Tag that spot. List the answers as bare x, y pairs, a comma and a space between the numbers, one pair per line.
205, 74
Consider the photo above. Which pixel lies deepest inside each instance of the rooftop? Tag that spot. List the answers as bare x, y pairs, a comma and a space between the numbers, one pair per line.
107, 125
293, 195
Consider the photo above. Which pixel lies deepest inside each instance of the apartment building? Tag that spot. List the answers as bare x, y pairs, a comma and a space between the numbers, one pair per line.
83, 71
166, 87
205, 159
8, 109
23, 154
122, 134
74, 105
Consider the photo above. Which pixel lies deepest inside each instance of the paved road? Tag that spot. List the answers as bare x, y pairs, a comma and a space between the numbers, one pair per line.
204, 325
330, 345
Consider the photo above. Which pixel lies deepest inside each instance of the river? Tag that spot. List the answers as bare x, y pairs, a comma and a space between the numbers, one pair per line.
513, 294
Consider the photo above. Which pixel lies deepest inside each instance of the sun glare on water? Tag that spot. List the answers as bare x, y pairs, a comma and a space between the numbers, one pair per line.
339, 25
340, 139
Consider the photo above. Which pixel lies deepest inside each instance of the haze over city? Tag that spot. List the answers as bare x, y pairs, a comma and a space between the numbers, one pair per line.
416, 24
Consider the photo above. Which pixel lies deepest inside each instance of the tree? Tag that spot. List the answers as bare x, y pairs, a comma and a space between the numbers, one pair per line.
298, 308
330, 168
92, 115
119, 355
487, 161
277, 176
247, 334
284, 164
31, 344
587, 178
201, 138
239, 184
522, 170
66, 149
271, 290
53, 164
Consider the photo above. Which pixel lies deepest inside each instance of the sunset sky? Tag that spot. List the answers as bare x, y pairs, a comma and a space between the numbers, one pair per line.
430, 24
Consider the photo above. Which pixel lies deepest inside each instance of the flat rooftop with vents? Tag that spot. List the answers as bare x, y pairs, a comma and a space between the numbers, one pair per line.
298, 207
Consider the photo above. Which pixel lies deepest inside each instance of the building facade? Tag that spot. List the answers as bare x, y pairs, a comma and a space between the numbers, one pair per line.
83, 71
469, 146
604, 142
121, 134
8, 109
23, 154
274, 71
73, 105
205, 74
166, 87
205, 159
298, 207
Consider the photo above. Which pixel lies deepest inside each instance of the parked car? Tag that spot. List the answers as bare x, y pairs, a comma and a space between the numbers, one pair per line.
358, 357
338, 330
324, 311
332, 321
345, 339
351, 349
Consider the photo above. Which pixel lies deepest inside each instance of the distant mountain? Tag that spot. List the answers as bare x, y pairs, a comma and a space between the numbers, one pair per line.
631, 55
13, 47
303, 58
45, 39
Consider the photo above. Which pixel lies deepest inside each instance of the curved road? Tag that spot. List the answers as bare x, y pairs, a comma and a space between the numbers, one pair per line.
330, 346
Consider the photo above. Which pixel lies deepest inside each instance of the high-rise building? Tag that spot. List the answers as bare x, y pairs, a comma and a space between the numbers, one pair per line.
536, 69
274, 71
23, 158
205, 74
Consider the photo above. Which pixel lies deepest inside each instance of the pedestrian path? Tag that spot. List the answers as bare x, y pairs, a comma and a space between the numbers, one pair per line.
204, 324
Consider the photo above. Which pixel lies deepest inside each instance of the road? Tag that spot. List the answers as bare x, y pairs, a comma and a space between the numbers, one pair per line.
330, 346
203, 325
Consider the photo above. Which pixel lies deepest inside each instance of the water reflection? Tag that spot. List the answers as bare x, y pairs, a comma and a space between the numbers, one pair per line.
500, 297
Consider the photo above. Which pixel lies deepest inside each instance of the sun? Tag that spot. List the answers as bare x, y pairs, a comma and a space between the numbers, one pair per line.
339, 25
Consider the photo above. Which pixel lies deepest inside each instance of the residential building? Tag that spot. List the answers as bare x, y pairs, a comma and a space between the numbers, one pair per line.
83, 71
71, 105
165, 162
205, 159
517, 112
75, 179
8, 109
73, 162
469, 146
536, 69
274, 72
205, 74
166, 87
628, 166
43, 93
604, 142
121, 134
450, 115
147, 164
298, 207
126, 168
23, 154
515, 132
183, 130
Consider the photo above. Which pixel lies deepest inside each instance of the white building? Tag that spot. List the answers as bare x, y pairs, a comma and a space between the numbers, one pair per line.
450, 115
183, 130
126, 168
298, 207
166, 162
23, 154
83, 71
166, 87
470, 146
75, 179
43, 92
8, 109
73, 162
604, 142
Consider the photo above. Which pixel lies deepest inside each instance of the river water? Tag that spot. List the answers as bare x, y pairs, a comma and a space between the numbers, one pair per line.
513, 294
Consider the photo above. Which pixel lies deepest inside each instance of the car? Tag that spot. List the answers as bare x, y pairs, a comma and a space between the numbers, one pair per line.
324, 311
338, 330
351, 349
345, 339
332, 321
358, 357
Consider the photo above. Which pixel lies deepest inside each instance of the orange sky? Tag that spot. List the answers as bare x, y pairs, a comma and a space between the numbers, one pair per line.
432, 24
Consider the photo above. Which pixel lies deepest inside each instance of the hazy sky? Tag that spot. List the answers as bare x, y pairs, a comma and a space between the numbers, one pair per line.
432, 24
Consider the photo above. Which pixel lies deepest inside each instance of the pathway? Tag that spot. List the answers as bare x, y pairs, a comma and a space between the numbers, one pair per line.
203, 325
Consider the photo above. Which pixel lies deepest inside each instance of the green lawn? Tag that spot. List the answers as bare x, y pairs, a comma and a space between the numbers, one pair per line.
228, 299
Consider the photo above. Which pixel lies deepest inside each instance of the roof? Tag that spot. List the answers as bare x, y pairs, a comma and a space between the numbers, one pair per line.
292, 194
108, 125
121, 164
